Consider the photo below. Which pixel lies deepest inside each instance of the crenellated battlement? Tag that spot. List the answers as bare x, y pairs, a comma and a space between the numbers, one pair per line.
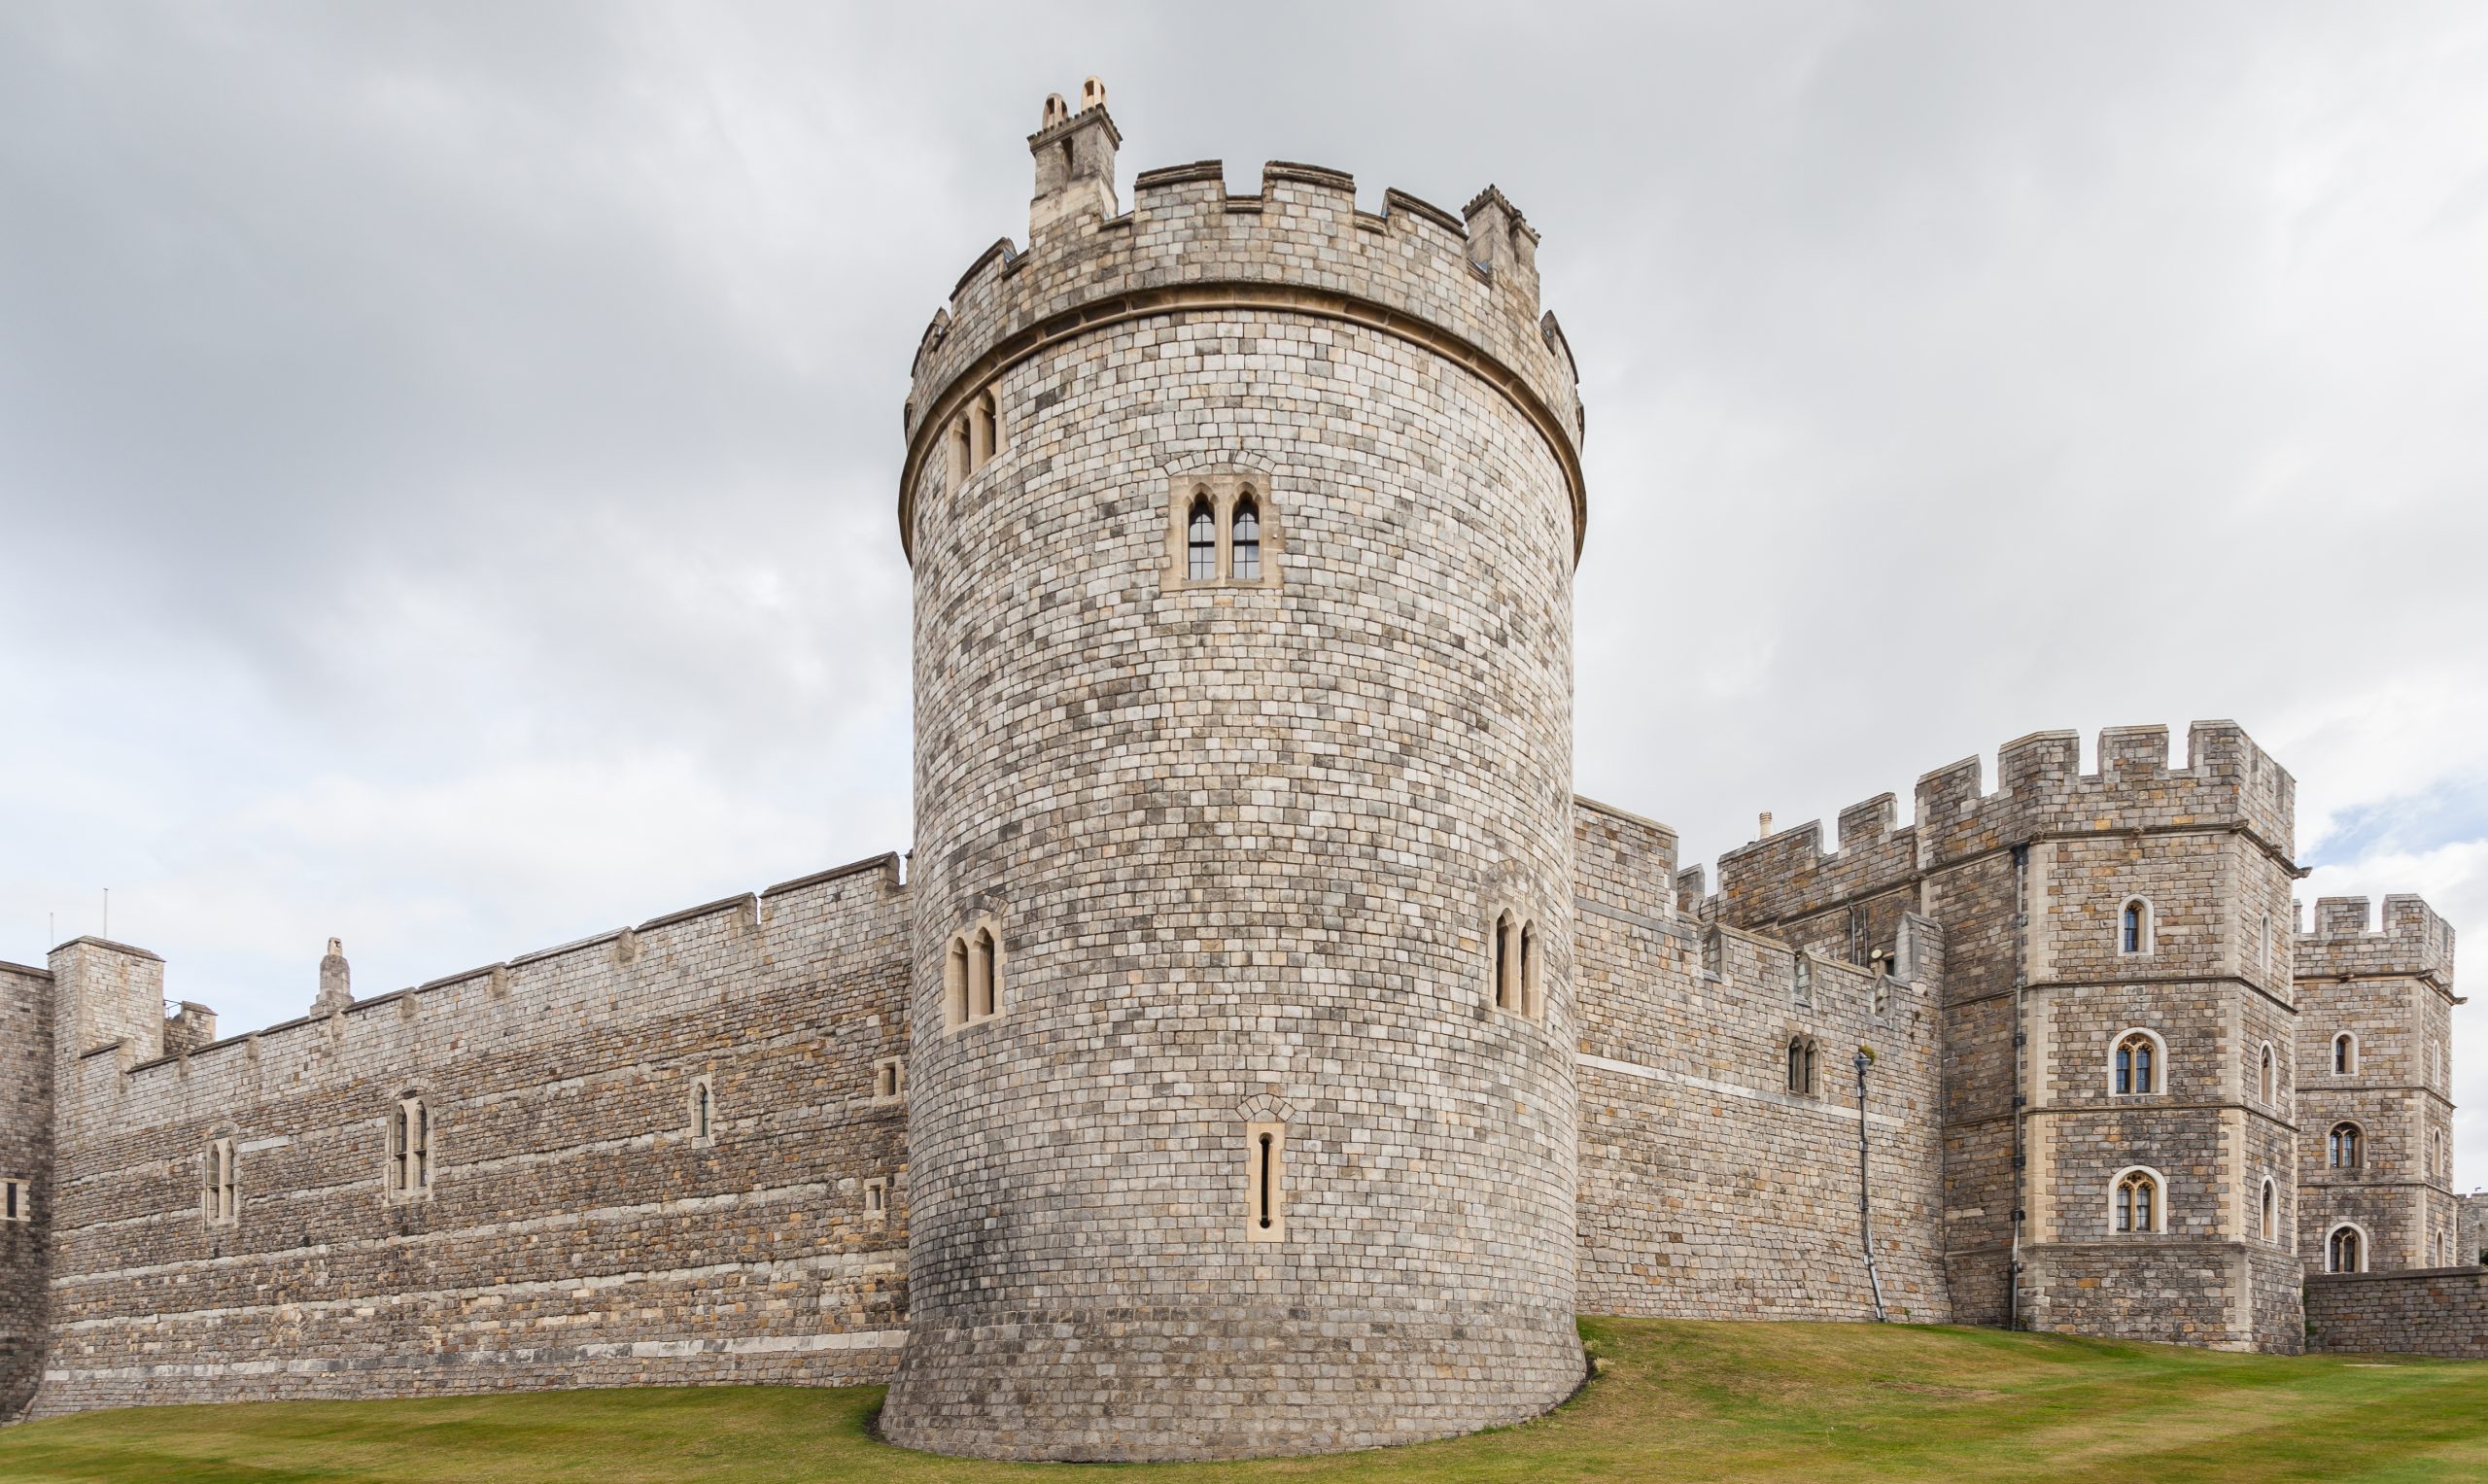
189, 1043
2227, 782
2411, 940
1464, 286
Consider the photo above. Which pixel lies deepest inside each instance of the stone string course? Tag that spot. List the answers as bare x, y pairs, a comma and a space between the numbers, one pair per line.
1241, 847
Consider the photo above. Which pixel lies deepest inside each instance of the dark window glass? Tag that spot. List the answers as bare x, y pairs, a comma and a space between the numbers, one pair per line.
1245, 552
1200, 543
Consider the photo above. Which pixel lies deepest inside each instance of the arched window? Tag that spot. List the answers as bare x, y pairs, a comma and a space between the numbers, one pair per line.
2271, 1223
2134, 927
220, 1192
1266, 1182
2343, 1149
1800, 1066
1529, 969
1504, 961
2345, 1054
410, 1162
704, 1111
2345, 1251
2134, 1202
2267, 1076
954, 983
1200, 540
2137, 1064
1244, 548
989, 428
985, 989
962, 451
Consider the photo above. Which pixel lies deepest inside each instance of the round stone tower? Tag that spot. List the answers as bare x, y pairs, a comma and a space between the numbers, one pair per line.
1242, 1107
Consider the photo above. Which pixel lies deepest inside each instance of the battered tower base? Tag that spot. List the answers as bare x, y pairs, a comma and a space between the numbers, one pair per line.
1159, 1384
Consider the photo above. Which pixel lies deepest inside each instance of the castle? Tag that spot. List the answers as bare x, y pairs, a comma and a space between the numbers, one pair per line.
1263, 1049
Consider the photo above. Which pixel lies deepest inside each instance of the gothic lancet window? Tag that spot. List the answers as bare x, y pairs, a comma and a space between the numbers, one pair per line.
2138, 1064
2134, 1203
2344, 1252
1200, 542
1244, 549
2343, 1148
410, 1162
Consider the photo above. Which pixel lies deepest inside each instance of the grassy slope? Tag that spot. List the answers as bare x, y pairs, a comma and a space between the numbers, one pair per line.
1705, 1401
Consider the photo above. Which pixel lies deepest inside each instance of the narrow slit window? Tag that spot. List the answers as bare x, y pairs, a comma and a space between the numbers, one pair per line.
2345, 1054
2136, 928
704, 1111
954, 983
1504, 961
2266, 1076
1527, 969
989, 426
877, 1198
1266, 1182
1245, 546
16, 1200
2272, 1211
1200, 542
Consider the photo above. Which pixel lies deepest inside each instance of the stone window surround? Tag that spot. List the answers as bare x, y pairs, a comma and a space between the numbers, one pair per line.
890, 1080
2267, 1077
877, 1198
2366, 1246
1223, 485
970, 977
2268, 1221
16, 1199
2147, 938
1804, 1053
220, 1181
974, 436
2345, 1066
700, 1109
2158, 1200
1261, 1225
1515, 956
411, 1109
2159, 1062
2356, 1146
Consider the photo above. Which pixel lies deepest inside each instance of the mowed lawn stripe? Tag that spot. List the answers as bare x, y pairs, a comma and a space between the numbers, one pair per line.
1677, 1402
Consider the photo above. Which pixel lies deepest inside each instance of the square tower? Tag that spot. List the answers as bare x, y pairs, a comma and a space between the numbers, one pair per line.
2374, 1098
2118, 1027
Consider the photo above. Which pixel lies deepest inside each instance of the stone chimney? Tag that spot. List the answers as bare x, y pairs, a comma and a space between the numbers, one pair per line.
336, 989
1074, 158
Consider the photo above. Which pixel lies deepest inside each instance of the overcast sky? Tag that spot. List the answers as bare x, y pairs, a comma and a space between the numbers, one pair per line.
448, 456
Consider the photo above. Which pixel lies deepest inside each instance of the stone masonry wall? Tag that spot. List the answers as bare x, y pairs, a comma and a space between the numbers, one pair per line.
25, 1155
2422, 1311
1707, 1188
576, 1232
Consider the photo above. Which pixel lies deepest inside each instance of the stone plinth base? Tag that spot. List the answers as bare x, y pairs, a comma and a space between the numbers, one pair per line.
1137, 1385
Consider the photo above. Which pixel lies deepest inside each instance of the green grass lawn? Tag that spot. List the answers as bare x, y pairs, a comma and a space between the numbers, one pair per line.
1677, 1400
